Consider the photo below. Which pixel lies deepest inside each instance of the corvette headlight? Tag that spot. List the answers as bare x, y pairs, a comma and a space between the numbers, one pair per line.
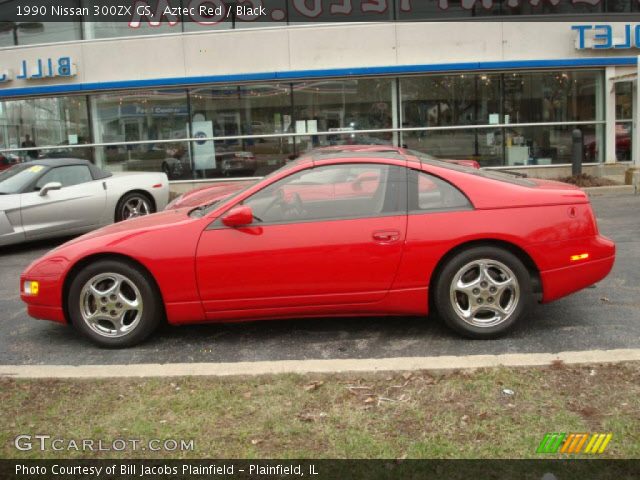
31, 287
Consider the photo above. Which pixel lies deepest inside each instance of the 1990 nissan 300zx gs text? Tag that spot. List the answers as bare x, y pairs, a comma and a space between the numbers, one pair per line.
332, 234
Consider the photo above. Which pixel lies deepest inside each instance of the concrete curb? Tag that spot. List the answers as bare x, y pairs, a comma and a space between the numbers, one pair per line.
442, 363
610, 190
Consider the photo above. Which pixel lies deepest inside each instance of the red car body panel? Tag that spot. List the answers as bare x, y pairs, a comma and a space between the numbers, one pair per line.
383, 265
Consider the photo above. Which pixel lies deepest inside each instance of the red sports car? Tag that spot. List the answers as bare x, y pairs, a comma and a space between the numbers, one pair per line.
332, 234
219, 190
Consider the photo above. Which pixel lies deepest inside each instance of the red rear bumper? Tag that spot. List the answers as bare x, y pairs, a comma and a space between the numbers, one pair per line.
559, 282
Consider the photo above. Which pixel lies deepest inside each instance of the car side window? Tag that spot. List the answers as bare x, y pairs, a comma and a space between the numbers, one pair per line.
332, 192
66, 176
430, 193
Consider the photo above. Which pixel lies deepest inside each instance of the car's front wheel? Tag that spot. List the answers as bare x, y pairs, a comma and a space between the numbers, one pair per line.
483, 291
114, 303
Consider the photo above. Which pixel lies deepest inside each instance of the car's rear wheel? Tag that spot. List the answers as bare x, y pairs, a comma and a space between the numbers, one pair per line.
133, 204
114, 303
483, 291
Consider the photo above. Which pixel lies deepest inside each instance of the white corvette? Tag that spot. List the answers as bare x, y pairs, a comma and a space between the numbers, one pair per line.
66, 196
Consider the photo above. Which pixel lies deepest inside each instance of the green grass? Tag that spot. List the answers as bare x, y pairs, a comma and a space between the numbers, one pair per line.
383, 415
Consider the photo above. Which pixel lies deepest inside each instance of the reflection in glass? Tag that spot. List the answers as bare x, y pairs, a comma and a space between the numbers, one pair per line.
306, 143
623, 141
549, 145
342, 105
139, 116
624, 98
559, 96
442, 100
482, 145
39, 122
252, 109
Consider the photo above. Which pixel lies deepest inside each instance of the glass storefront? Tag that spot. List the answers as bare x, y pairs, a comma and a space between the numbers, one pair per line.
557, 99
624, 121
498, 119
58, 122
142, 116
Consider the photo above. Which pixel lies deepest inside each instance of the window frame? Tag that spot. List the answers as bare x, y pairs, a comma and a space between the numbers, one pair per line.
402, 195
32, 187
413, 174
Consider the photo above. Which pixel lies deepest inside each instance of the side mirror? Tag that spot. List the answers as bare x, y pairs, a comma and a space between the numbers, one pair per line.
50, 186
238, 216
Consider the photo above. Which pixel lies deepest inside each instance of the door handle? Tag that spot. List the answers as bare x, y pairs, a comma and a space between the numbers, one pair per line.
386, 236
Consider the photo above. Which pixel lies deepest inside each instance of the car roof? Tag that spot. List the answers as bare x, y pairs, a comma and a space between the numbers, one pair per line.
356, 154
96, 172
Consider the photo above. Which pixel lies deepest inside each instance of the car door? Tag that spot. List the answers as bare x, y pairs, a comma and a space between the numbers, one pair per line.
76, 207
310, 243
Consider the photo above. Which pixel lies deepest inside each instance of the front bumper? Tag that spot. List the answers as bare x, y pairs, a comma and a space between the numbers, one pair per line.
46, 305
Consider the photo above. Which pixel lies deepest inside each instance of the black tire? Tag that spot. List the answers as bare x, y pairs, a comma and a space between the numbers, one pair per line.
448, 299
144, 199
140, 327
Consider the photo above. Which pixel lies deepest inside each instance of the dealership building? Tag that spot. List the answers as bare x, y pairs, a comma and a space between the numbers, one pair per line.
207, 101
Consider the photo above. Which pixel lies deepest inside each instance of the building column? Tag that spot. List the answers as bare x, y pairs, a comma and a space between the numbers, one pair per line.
635, 132
610, 116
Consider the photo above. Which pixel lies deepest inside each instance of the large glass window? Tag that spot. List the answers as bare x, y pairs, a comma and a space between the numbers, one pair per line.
141, 116
258, 127
39, 122
433, 103
444, 100
624, 114
244, 110
343, 105
560, 96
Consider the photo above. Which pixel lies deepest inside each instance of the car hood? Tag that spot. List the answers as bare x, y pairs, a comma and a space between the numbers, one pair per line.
208, 194
139, 225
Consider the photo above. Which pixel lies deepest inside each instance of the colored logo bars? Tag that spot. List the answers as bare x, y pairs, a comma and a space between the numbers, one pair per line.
574, 442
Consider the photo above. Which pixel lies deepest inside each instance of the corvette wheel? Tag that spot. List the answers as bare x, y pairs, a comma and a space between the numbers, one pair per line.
483, 292
133, 205
114, 304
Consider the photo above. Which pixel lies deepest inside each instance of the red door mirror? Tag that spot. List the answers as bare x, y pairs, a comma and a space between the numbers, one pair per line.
238, 216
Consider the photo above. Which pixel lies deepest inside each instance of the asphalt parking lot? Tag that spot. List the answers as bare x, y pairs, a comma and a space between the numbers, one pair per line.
606, 316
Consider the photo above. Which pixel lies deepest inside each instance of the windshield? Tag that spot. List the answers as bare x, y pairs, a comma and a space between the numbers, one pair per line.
14, 179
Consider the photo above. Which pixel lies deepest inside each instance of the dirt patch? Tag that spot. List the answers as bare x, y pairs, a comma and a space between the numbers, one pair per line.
586, 180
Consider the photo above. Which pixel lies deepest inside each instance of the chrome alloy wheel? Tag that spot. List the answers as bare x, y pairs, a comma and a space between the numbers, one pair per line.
135, 206
484, 293
110, 304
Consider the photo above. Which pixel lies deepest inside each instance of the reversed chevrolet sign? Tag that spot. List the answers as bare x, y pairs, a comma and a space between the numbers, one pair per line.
606, 37
40, 68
